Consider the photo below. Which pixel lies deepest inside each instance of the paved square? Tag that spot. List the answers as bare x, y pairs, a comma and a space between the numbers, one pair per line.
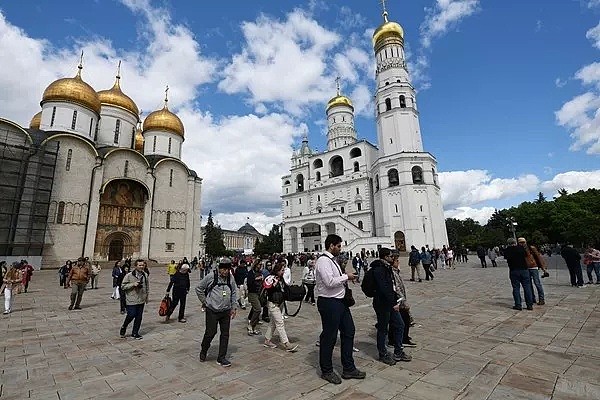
471, 345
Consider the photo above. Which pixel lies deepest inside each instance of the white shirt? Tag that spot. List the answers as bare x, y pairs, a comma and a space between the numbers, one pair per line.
329, 281
287, 275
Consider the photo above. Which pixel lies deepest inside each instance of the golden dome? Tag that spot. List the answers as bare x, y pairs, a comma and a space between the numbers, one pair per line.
139, 140
339, 100
72, 90
35, 121
163, 120
387, 30
115, 97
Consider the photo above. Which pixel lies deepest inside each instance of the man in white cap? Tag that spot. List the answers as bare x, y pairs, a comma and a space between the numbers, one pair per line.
180, 282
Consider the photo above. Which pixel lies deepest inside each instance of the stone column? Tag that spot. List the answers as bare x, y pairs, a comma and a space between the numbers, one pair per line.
189, 219
93, 210
146, 227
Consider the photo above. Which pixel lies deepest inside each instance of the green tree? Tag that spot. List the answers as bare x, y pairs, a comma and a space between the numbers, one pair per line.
272, 243
562, 192
213, 238
541, 198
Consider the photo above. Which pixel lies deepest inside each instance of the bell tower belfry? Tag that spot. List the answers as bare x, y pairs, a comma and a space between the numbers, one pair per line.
395, 100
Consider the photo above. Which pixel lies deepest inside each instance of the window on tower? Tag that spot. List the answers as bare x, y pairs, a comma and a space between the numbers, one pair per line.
74, 121
337, 166
300, 183
117, 131
393, 179
376, 183
402, 101
318, 176
318, 163
417, 174
355, 152
356, 166
388, 104
434, 176
360, 225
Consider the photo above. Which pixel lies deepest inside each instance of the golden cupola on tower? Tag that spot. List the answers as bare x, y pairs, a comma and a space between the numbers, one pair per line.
116, 98
388, 30
35, 121
339, 99
163, 120
72, 90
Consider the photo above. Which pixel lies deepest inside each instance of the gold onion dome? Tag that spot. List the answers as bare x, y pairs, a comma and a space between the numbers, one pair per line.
387, 30
163, 120
73, 90
139, 140
339, 100
115, 97
35, 121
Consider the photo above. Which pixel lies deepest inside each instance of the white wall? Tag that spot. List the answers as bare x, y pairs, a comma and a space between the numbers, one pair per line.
63, 119
162, 143
108, 122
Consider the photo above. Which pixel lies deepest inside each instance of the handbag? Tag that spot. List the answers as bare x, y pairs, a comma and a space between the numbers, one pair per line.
348, 299
165, 304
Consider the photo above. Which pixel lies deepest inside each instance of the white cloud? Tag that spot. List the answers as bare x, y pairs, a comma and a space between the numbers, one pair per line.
559, 83
581, 116
468, 188
539, 25
589, 74
573, 181
481, 215
593, 3
594, 35
443, 16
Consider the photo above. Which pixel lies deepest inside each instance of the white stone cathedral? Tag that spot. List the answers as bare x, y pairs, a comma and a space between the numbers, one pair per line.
90, 179
371, 196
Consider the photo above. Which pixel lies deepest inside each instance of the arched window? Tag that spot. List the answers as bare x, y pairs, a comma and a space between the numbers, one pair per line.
287, 182
53, 116
318, 163
360, 225
318, 176
376, 183
300, 183
402, 101
393, 179
69, 156
434, 176
60, 215
168, 220
337, 166
171, 178
356, 166
417, 174
169, 150
355, 152
154, 144
388, 104
126, 168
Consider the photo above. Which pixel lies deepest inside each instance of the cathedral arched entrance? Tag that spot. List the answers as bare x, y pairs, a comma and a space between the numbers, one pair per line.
400, 241
120, 220
310, 237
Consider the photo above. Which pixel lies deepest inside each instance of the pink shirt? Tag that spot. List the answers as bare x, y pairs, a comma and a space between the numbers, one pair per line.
329, 281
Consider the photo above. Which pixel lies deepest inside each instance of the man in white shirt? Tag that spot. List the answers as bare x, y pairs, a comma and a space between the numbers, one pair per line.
335, 315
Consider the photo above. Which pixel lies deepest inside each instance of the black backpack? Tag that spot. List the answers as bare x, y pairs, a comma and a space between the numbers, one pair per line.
368, 283
216, 283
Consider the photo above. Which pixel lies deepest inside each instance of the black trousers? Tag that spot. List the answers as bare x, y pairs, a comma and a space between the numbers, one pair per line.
122, 301
428, 273
179, 297
310, 293
405, 315
134, 313
223, 319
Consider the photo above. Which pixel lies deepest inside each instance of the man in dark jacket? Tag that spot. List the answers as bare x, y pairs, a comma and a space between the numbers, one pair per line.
387, 308
519, 275
240, 274
180, 282
573, 260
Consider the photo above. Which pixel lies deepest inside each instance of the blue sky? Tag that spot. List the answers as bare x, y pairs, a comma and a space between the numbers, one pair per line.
502, 85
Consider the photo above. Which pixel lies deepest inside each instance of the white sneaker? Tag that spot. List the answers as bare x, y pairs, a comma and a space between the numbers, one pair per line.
285, 317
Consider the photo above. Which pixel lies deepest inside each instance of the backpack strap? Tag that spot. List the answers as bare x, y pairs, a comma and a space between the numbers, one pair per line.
294, 314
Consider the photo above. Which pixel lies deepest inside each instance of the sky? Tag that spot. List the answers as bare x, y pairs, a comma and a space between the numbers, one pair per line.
508, 91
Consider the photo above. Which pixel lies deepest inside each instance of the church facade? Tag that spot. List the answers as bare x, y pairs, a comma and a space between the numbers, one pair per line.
372, 196
88, 178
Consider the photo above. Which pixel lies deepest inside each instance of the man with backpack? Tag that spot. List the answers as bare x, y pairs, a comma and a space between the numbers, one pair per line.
414, 260
217, 293
386, 304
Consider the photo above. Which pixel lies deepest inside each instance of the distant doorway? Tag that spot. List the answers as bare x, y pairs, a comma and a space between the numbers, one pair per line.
115, 250
400, 241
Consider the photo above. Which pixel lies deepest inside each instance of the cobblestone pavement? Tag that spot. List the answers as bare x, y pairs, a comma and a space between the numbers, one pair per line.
471, 345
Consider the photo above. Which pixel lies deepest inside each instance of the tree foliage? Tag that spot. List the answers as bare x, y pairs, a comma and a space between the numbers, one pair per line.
573, 217
213, 238
272, 243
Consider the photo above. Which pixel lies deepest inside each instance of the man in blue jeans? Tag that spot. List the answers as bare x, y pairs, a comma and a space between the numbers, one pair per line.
331, 283
519, 275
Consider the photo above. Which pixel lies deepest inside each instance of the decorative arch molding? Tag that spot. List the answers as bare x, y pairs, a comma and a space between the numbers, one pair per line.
174, 160
105, 184
18, 127
137, 154
77, 137
168, 219
71, 213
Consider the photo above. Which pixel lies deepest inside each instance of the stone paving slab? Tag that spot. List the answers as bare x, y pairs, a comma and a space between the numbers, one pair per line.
471, 346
